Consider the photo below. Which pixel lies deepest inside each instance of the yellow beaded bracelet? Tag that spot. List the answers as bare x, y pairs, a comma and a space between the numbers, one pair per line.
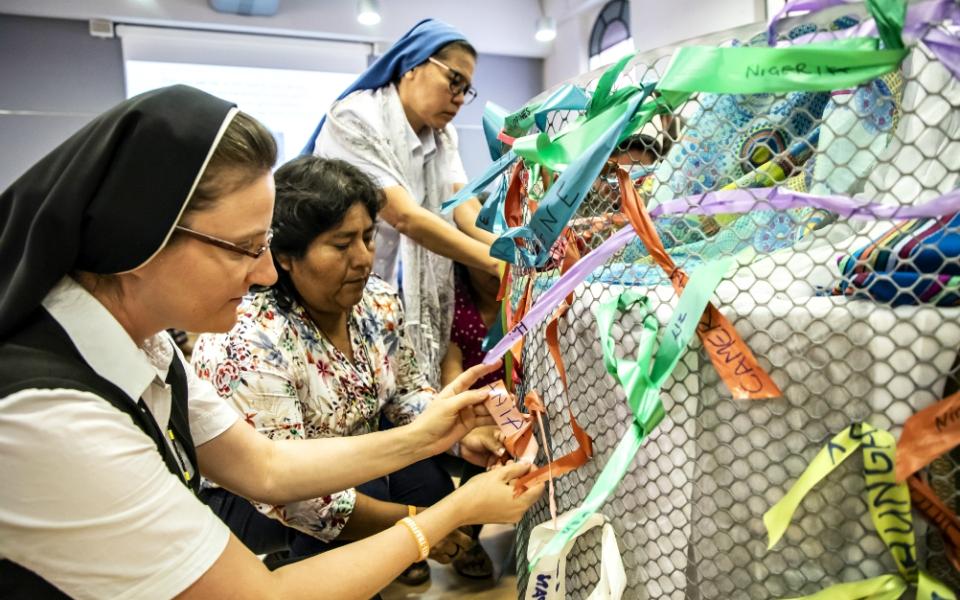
418, 536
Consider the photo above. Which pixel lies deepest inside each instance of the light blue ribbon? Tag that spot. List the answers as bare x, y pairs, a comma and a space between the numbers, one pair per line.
561, 200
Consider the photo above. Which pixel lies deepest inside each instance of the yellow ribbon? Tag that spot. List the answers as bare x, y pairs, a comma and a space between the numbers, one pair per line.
890, 510
885, 587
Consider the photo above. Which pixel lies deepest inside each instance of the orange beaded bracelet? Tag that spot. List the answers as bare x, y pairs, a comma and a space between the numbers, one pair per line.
418, 536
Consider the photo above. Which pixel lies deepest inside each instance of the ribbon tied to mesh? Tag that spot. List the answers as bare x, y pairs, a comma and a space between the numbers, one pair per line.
579, 152
890, 511
548, 580
927, 435
920, 24
733, 359
517, 428
641, 380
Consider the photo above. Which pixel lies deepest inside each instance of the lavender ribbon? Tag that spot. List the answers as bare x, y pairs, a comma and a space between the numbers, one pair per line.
559, 290
776, 198
920, 25
712, 203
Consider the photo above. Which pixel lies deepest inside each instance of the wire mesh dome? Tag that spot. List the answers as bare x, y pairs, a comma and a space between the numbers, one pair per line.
854, 319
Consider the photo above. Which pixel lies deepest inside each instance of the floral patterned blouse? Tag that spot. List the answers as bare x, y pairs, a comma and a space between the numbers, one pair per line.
290, 382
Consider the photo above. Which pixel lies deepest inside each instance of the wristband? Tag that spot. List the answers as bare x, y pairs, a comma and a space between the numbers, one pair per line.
418, 537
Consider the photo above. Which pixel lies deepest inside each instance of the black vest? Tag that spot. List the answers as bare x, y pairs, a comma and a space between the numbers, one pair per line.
41, 356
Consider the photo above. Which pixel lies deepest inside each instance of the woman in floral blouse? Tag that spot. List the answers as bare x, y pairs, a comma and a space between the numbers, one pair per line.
322, 353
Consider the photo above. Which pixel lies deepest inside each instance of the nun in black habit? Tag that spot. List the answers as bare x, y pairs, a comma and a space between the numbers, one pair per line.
157, 215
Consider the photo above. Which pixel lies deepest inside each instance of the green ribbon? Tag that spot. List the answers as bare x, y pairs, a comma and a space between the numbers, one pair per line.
820, 67
816, 67
566, 97
889, 505
640, 381
604, 96
889, 16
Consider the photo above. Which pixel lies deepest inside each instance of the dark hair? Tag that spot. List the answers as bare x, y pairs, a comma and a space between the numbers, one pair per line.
313, 196
642, 142
246, 151
463, 45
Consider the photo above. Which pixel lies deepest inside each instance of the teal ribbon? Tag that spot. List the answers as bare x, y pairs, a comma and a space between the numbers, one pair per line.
490, 218
566, 97
575, 153
478, 185
562, 198
494, 116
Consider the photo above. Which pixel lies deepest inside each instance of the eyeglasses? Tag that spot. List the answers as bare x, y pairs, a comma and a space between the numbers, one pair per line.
458, 83
214, 241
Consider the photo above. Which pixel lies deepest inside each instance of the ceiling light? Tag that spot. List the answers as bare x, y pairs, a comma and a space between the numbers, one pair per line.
546, 29
368, 12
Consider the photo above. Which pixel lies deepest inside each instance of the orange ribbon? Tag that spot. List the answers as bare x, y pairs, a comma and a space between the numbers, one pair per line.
570, 257
929, 505
517, 428
730, 355
928, 434
566, 463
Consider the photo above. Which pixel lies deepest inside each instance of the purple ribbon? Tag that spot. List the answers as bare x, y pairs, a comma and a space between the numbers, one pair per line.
775, 198
712, 203
793, 6
920, 25
559, 290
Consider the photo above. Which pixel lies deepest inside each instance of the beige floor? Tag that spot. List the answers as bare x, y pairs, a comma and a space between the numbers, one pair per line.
445, 583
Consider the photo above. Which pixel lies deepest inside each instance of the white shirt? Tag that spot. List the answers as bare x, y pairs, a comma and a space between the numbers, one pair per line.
365, 106
87, 502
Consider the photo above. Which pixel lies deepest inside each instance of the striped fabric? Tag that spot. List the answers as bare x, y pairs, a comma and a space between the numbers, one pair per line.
915, 262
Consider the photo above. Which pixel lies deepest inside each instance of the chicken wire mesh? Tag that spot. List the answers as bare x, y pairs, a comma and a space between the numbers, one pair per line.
688, 514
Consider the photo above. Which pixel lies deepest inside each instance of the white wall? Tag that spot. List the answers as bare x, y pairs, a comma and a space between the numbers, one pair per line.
57, 77
653, 23
503, 27
570, 49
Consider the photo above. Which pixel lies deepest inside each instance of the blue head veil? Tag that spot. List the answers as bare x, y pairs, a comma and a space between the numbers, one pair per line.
415, 47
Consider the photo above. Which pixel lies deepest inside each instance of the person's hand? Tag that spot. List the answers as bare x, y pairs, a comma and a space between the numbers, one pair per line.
451, 546
483, 446
495, 268
489, 498
454, 411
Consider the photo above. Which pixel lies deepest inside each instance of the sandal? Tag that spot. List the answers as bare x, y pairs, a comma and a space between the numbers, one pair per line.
417, 573
474, 563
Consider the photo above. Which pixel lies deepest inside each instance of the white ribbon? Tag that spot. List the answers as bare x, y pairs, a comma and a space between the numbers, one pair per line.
547, 581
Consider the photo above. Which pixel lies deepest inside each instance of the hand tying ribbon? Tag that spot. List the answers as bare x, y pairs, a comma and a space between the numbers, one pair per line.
515, 425
517, 428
